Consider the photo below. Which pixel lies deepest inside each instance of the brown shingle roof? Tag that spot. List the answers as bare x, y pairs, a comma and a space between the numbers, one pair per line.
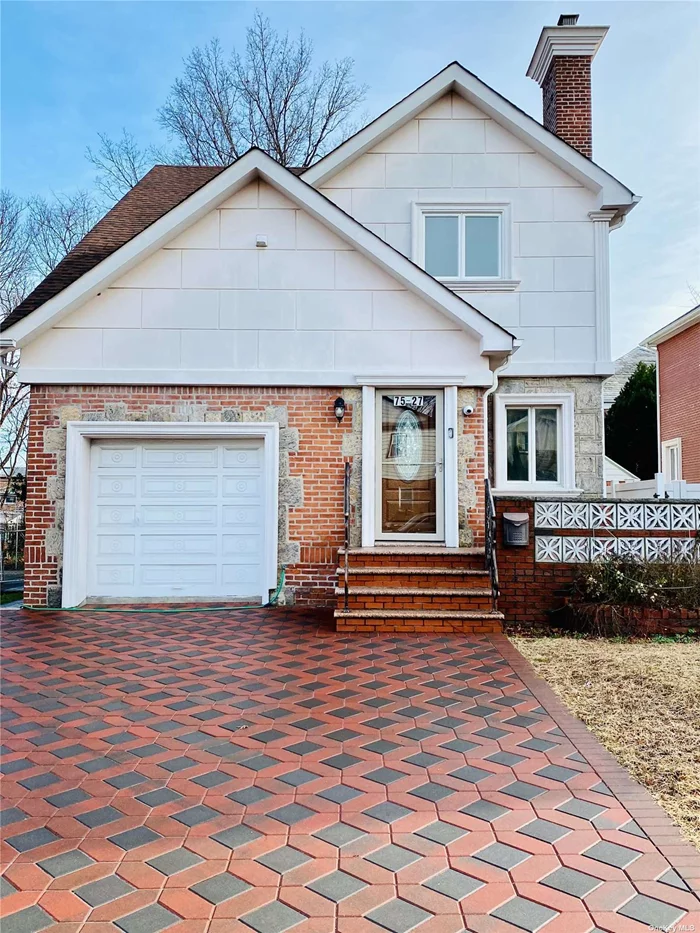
158, 192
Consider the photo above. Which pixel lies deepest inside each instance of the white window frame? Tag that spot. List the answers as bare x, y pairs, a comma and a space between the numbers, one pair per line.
667, 447
461, 209
564, 402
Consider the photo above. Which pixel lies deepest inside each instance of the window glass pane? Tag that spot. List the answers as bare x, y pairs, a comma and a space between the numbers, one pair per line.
442, 245
546, 470
481, 245
517, 444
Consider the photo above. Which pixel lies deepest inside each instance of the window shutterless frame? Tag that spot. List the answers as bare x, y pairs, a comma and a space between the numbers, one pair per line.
564, 403
422, 210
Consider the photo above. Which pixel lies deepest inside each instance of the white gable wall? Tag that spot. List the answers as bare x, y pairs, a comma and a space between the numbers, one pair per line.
212, 308
453, 152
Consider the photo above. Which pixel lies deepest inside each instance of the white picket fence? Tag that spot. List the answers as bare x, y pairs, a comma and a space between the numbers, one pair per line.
657, 487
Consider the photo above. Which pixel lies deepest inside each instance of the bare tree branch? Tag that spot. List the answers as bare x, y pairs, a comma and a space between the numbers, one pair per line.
120, 163
54, 227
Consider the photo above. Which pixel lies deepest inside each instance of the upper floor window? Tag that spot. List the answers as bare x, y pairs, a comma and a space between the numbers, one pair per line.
464, 245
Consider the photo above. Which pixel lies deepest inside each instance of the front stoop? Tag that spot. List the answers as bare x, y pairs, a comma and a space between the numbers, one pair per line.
416, 589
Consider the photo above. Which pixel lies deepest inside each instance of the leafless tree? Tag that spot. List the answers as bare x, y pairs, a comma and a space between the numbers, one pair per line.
34, 237
271, 96
120, 164
55, 226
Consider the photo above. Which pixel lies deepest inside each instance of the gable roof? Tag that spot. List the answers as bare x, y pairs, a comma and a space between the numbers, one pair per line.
457, 78
121, 251
161, 189
675, 327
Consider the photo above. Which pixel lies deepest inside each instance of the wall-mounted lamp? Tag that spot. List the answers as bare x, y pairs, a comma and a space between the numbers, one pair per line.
339, 408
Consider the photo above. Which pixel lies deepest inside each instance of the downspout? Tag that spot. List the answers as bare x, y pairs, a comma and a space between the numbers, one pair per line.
659, 457
491, 389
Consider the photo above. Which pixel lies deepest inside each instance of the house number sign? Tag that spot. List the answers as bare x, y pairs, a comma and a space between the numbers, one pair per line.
408, 401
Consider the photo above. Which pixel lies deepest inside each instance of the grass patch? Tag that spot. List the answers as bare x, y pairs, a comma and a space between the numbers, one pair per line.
642, 701
10, 597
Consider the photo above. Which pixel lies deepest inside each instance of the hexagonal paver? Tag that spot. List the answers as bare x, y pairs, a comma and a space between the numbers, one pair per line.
249, 795
470, 774
393, 857
30, 920
570, 881
195, 816
337, 886
581, 808
134, 838
283, 859
432, 791
220, 888
174, 862
151, 919
454, 884
387, 812
502, 856
441, 832
340, 793
524, 914
655, 915
103, 891
385, 776
292, 813
341, 762
484, 810
274, 917
236, 836
68, 798
339, 834
612, 854
34, 839
99, 817
159, 797
544, 830
398, 916
64, 864
523, 791
557, 773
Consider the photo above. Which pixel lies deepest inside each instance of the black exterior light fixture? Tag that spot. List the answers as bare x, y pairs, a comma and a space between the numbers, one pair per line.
339, 408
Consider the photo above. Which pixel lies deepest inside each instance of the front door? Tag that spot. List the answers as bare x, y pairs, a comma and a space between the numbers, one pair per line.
410, 480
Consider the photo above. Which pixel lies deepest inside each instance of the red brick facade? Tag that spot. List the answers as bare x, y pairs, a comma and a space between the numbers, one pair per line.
566, 101
679, 397
310, 438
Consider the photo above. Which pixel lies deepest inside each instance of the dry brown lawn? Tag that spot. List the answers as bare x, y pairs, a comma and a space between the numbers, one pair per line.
642, 701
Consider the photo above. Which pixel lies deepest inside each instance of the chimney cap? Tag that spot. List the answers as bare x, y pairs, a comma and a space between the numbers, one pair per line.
567, 19
564, 41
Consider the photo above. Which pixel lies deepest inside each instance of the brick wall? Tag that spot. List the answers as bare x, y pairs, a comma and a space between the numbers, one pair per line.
313, 448
679, 397
566, 101
531, 586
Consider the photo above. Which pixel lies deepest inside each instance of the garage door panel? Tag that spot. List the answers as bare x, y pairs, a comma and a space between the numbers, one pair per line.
116, 545
236, 574
113, 576
179, 487
116, 515
178, 545
188, 516
109, 487
242, 487
119, 458
179, 457
176, 574
182, 519
240, 457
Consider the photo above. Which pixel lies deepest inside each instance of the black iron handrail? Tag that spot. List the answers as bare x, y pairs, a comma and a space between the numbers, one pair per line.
490, 536
346, 522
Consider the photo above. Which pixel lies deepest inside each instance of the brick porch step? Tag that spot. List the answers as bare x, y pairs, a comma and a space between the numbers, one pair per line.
418, 621
415, 576
405, 597
422, 556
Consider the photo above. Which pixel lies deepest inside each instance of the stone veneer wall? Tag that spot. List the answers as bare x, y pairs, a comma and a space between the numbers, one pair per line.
313, 448
588, 421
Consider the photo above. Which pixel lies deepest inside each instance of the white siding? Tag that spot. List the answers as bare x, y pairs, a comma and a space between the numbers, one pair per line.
454, 152
211, 303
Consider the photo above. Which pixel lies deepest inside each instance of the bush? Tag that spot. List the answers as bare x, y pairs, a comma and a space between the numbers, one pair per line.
624, 596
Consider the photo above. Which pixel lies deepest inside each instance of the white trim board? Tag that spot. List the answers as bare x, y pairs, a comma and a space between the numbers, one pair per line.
456, 78
80, 434
256, 164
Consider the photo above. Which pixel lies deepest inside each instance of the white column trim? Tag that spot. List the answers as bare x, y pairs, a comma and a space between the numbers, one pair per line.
368, 465
601, 249
451, 446
80, 434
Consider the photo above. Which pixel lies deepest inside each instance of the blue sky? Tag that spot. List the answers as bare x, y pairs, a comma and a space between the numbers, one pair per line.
73, 69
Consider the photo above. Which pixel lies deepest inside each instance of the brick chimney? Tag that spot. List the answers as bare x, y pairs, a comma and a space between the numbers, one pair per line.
561, 65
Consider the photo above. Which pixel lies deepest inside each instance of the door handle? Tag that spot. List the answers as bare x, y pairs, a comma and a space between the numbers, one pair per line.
439, 465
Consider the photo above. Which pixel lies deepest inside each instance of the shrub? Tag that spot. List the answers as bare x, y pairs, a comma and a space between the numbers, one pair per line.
624, 596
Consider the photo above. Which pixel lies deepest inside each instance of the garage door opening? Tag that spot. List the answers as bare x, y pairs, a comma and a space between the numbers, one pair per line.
172, 518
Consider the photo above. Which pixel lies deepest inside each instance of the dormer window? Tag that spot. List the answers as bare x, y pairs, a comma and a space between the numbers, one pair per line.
465, 246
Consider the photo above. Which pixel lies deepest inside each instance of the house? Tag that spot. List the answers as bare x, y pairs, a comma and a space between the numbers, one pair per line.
615, 474
678, 396
429, 303
624, 367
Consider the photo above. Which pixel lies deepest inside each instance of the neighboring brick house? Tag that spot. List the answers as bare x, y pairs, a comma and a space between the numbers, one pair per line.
207, 360
624, 367
678, 396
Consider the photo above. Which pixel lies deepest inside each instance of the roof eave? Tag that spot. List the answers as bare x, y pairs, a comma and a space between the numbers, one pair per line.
682, 323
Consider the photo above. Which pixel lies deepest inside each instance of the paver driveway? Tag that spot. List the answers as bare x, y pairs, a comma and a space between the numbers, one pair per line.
238, 772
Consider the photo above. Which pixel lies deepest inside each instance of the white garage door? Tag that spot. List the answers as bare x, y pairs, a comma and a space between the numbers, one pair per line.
176, 519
